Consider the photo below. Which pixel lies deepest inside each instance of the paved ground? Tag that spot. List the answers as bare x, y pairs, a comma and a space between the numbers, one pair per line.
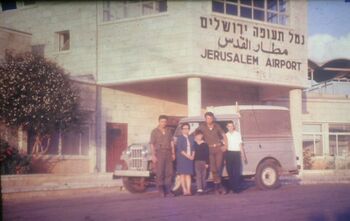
290, 202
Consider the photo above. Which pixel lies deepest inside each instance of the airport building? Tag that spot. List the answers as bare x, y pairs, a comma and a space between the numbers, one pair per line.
135, 60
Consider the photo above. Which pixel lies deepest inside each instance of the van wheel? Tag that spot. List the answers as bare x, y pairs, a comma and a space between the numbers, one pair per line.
267, 177
134, 184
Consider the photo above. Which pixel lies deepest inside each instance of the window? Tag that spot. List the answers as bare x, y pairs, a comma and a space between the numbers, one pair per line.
63, 40
313, 139
75, 142
115, 10
13, 4
271, 11
65, 143
8, 5
274, 123
339, 139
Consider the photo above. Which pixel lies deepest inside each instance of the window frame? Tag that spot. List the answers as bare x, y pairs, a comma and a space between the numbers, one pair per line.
285, 15
60, 48
156, 10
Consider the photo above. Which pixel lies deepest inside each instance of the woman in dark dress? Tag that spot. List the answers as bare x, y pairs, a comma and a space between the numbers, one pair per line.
185, 157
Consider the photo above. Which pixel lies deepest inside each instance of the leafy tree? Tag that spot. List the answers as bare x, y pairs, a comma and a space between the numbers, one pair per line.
37, 94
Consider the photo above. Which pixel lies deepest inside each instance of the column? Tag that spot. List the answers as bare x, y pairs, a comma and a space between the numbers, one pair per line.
194, 96
295, 106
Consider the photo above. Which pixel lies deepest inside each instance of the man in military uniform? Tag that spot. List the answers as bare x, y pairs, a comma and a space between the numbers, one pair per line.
163, 154
217, 141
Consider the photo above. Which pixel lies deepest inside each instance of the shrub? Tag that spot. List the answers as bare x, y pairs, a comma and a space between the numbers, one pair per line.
12, 161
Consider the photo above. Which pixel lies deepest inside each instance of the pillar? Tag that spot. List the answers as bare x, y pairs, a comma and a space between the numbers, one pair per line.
295, 106
194, 96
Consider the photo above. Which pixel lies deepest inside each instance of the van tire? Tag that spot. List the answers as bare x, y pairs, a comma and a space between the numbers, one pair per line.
134, 184
267, 175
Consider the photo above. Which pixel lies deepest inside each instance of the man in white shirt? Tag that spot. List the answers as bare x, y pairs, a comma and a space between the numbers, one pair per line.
233, 157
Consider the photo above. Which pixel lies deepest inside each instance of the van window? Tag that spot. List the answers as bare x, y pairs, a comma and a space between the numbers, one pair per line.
265, 123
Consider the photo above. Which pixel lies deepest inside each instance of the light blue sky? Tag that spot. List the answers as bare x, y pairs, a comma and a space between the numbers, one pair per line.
328, 17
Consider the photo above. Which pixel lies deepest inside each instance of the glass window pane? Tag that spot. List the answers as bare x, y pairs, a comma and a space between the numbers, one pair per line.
343, 145
312, 127
147, 8
218, 6
246, 2
229, 1
259, 15
85, 141
332, 145
272, 5
70, 143
318, 145
339, 128
283, 20
161, 6
282, 6
132, 9
272, 18
246, 12
258, 3
231, 9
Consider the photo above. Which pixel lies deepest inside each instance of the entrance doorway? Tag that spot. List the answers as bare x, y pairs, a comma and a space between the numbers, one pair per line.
117, 139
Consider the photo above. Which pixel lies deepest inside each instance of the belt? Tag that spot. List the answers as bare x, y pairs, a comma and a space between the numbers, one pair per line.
163, 150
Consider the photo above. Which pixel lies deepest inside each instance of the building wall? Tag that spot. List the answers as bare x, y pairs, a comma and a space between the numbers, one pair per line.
172, 44
14, 41
217, 28
139, 112
166, 45
332, 109
44, 19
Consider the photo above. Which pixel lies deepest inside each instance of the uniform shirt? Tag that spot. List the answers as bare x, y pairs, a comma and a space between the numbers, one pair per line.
234, 140
160, 140
212, 136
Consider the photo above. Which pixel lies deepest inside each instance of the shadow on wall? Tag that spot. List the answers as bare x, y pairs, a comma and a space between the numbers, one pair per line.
341, 216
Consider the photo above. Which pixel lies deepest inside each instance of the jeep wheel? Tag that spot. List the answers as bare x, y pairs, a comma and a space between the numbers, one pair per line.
134, 184
267, 176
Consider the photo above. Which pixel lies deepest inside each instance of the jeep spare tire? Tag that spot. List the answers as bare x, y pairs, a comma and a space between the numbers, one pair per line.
267, 176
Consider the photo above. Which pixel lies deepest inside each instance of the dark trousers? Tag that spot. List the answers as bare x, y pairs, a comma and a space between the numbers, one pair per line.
233, 166
164, 168
215, 161
201, 174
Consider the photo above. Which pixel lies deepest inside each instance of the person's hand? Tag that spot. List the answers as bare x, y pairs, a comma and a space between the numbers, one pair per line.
154, 159
206, 166
173, 156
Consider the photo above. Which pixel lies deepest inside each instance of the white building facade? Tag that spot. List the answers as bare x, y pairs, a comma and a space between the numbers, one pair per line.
137, 60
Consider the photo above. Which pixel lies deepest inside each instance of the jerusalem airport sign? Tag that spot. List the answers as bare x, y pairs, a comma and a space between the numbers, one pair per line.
252, 44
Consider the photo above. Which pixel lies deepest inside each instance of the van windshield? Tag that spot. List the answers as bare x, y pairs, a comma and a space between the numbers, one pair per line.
258, 123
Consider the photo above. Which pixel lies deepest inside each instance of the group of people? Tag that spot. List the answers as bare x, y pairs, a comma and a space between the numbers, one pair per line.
208, 147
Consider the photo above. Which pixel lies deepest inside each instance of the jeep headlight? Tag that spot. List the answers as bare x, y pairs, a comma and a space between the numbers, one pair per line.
144, 152
128, 152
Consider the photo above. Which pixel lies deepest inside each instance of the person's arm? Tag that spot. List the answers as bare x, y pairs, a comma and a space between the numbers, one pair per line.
154, 158
173, 150
207, 155
153, 148
243, 150
225, 142
185, 154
